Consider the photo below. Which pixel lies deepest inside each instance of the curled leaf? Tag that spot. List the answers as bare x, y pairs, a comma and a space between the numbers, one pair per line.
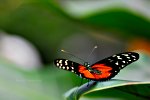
119, 89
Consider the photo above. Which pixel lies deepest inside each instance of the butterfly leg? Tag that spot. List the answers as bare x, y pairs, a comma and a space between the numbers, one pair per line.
81, 81
88, 83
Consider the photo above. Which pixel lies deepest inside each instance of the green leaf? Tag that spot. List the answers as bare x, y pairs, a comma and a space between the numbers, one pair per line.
118, 89
121, 20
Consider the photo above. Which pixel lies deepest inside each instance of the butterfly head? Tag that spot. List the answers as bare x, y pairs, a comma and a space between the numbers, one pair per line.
86, 64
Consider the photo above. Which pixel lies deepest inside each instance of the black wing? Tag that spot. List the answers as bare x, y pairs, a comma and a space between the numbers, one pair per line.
67, 65
118, 62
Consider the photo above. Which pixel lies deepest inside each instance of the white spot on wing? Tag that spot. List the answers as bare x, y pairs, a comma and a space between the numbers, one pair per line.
128, 57
125, 54
119, 57
60, 64
133, 56
110, 60
72, 70
117, 63
57, 64
123, 61
114, 56
66, 62
60, 61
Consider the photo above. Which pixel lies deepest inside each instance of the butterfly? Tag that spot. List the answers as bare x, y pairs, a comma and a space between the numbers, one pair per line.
102, 70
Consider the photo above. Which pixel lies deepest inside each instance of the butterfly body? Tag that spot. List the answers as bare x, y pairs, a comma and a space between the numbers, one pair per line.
102, 70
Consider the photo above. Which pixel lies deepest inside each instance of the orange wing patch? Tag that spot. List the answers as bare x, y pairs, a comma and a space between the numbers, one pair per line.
104, 71
83, 70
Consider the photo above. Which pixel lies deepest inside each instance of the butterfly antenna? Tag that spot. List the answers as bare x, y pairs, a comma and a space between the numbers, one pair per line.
95, 47
72, 55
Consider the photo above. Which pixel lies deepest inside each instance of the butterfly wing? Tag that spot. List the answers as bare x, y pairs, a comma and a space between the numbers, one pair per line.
109, 67
68, 65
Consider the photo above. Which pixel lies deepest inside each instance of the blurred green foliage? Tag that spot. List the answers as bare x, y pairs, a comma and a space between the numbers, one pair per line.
123, 21
46, 25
